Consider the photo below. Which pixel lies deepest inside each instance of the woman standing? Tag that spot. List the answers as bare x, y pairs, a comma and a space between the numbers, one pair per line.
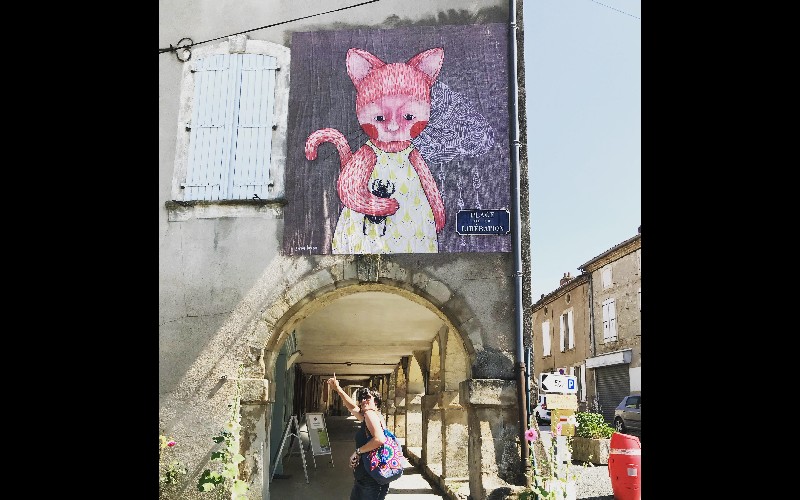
368, 437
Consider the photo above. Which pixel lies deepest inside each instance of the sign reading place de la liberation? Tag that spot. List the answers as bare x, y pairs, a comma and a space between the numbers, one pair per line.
476, 221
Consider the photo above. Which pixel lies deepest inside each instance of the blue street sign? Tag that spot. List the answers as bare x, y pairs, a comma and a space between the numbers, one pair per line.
483, 222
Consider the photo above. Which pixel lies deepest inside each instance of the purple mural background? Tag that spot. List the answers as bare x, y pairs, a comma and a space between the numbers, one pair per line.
465, 145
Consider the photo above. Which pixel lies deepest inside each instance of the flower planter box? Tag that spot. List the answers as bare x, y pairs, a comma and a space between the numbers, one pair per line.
591, 450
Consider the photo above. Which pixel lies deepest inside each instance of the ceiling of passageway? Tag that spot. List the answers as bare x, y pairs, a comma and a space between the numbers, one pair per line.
363, 334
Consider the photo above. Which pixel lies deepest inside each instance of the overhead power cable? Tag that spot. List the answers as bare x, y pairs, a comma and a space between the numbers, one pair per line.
620, 11
173, 49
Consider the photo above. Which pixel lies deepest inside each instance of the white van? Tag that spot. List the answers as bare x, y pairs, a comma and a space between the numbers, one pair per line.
541, 412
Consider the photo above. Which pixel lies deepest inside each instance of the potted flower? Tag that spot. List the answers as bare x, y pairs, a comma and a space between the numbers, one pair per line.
592, 440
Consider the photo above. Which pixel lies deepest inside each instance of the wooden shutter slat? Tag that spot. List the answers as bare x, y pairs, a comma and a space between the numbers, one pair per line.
546, 338
570, 329
254, 130
249, 99
209, 128
612, 309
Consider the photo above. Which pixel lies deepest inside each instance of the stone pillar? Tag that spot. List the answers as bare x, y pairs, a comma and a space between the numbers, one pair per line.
432, 433
391, 407
455, 437
254, 435
400, 407
400, 421
414, 420
390, 420
494, 449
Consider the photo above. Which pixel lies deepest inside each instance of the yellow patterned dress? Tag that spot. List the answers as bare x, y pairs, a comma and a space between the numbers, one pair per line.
411, 229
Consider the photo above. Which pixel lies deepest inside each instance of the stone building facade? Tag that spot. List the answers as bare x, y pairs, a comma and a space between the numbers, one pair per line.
560, 336
601, 308
616, 333
234, 306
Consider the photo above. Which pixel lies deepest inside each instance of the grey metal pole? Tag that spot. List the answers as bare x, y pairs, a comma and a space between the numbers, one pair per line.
516, 225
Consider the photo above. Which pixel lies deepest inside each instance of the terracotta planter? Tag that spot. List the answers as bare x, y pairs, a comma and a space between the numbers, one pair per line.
591, 450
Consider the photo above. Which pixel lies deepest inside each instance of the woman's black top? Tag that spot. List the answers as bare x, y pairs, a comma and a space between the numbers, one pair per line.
361, 434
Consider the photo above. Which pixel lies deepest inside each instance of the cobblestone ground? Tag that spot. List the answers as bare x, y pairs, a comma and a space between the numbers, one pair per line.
593, 482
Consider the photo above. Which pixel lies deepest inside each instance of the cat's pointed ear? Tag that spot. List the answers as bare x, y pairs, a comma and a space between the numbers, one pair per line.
360, 63
429, 62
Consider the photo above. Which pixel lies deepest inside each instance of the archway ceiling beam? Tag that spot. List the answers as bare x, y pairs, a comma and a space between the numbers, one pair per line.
372, 331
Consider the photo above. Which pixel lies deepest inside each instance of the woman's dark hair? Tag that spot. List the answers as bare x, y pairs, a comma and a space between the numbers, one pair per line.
364, 391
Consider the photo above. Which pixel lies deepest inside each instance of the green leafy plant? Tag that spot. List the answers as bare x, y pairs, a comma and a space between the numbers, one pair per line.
592, 425
549, 478
229, 458
172, 470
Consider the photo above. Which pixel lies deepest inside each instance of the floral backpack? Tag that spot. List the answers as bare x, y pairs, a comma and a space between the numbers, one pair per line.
385, 463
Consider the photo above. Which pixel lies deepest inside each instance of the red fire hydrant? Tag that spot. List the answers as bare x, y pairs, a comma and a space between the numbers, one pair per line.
624, 466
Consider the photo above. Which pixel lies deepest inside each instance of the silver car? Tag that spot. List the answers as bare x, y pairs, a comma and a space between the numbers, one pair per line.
628, 415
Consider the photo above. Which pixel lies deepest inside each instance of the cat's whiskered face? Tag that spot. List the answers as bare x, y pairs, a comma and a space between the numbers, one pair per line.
394, 118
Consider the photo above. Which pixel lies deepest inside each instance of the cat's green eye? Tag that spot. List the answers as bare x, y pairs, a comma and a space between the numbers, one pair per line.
408, 116
379, 118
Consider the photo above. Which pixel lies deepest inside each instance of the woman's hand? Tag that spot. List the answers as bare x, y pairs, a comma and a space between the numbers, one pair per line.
354, 459
333, 382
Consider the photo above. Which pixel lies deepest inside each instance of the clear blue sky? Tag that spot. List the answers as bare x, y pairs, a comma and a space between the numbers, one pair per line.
584, 114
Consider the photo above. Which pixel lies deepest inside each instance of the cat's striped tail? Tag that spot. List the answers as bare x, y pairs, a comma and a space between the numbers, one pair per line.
328, 135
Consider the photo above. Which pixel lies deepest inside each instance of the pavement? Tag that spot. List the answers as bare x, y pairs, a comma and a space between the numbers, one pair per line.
329, 475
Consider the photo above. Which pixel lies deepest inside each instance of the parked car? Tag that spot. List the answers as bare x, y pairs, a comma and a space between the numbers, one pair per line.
628, 414
541, 412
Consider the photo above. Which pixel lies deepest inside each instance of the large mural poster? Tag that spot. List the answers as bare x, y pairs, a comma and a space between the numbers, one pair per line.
393, 134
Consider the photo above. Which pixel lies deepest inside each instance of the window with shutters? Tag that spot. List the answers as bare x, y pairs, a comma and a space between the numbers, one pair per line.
232, 123
606, 276
545, 338
609, 320
567, 336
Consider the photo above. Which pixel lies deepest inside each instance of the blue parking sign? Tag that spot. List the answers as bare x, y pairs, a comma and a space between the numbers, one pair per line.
571, 384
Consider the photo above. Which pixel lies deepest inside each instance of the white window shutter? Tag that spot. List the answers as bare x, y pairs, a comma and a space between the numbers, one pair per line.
253, 138
561, 327
570, 330
211, 127
546, 338
606, 271
231, 128
612, 321
605, 321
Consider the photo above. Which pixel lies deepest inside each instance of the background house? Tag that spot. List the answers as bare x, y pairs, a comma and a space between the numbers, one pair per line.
590, 327
616, 333
560, 327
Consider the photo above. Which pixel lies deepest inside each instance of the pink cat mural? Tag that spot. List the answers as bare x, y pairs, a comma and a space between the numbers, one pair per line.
391, 201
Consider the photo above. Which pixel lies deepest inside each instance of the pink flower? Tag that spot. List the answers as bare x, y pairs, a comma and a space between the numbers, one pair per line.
530, 435
171, 444
558, 429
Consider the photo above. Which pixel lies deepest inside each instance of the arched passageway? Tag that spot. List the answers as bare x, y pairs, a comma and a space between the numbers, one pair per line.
383, 335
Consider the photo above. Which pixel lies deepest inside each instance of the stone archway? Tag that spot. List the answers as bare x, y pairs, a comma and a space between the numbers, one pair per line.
311, 293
